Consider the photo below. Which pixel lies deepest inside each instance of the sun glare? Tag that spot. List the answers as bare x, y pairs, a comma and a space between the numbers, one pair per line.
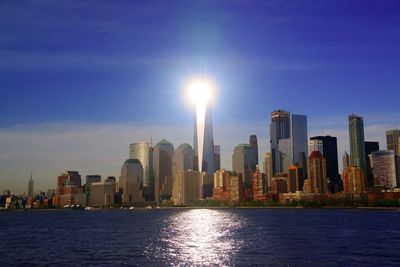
200, 91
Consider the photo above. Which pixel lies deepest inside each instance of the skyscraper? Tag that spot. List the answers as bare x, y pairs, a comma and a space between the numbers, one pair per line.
162, 167
144, 153
217, 157
288, 138
315, 145
346, 160
384, 168
317, 173
268, 167
357, 145
31, 188
369, 148
244, 161
253, 142
131, 181
203, 143
393, 140
330, 153
353, 180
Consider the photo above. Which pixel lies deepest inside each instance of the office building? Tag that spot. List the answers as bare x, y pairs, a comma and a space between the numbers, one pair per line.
186, 187
217, 157
384, 168
315, 145
357, 145
268, 167
203, 143
130, 184
144, 153
31, 188
317, 173
369, 148
102, 194
259, 185
244, 162
346, 160
254, 144
330, 153
89, 180
288, 139
295, 179
393, 140
353, 180
162, 168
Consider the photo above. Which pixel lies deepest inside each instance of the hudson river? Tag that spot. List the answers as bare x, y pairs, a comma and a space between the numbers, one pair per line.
267, 237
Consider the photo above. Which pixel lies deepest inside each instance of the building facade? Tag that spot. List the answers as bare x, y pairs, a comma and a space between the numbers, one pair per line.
384, 168
393, 140
357, 142
203, 143
162, 169
130, 184
317, 173
244, 162
353, 180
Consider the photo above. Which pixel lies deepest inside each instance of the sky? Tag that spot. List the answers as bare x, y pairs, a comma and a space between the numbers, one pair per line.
81, 80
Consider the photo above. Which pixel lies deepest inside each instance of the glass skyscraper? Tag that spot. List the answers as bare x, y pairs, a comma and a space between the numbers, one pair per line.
357, 142
288, 138
144, 153
205, 154
393, 140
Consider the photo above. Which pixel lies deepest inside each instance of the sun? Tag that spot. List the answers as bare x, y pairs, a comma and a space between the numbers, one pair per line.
200, 91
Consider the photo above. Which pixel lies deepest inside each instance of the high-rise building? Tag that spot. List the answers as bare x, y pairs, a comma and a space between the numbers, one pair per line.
102, 194
288, 138
259, 185
295, 179
31, 188
315, 145
206, 185
330, 153
217, 157
393, 140
162, 168
346, 160
182, 159
244, 162
369, 148
317, 173
254, 144
89, 180
357, 145
203, 143
353, 180
144, 153
268, 167
384, 168
130, 183
186, 187
397, 163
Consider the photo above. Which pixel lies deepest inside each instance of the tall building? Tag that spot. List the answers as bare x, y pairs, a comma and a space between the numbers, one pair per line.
288, 138
295, 179
393, 140
182, 159
330, 153
89, 180
254, 144
244, 162
102, 194
31, 189
144, 153
357, 145
317, 173
259, 185
186, 187
162, 168
346, 160
369, 148
315, 145
217, 157
384, 168
268, 167
203, 143
130, 183
353, 180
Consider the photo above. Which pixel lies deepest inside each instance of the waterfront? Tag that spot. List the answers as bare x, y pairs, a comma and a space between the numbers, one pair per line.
278, 237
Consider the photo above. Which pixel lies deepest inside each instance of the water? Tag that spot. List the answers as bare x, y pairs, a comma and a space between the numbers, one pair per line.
272, 237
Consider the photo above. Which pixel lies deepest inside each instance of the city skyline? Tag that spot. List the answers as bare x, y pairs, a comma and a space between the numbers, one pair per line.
78, 86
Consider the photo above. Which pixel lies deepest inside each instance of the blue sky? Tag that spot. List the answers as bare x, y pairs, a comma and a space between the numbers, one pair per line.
80, 80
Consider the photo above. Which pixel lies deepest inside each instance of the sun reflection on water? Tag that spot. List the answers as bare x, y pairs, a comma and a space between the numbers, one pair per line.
199, 237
